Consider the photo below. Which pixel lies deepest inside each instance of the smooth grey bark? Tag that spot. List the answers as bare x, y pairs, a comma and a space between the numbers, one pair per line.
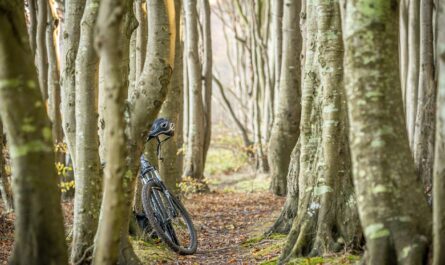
70, 44
170, 168
39, 232
141, 35
87, 172
145, 101
327, 218
383, 168
439, 164
277, 41
101, 106
54, 82
186, 90
424, 132
193, 160
284, 221
207, 73
412, 82
285, 130
5, 184
42, 58
32, 24
109, 45
258, 81
403, 45
261, 26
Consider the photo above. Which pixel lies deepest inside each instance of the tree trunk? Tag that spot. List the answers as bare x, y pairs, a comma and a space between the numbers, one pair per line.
87, 173
32, 25
426, 106
54, 83
39, 235
194, 164
145, 102
169, 168
42, 58
207, 76
284, 221
258, 84
403, 46
71, 35
439, 165
288, 212
113, 212
395, 231
277, 40
141, 35
412, 81
287, 119
5, 184
327, 218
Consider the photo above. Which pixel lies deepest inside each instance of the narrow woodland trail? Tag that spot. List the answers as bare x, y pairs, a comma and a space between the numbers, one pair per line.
229, 225
226, 221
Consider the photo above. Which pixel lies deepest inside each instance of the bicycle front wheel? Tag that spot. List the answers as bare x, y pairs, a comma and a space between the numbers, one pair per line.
169, 219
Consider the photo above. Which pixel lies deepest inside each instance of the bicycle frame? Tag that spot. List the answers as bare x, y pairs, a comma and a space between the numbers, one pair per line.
148, 174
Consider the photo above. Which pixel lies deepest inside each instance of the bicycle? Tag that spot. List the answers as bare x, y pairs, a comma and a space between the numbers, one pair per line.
164, 211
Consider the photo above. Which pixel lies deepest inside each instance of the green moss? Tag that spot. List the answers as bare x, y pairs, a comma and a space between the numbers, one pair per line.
252, 241
257, 239
377, 230
152, 252
345, 259
373, 8
265, 249
272, 261
270, 250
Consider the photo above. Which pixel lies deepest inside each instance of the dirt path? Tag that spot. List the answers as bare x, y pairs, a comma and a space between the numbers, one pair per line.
227, 220
229, 226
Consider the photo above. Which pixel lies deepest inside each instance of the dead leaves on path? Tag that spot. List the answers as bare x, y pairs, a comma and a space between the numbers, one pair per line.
225, 220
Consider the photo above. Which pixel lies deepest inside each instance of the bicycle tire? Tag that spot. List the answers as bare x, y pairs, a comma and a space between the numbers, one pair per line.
168, 234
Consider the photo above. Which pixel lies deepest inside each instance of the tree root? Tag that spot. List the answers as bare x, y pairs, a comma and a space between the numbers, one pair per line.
127, 255
86, 257
283, 223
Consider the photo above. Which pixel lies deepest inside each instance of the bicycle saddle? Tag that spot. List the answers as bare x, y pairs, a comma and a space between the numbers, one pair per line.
161, 126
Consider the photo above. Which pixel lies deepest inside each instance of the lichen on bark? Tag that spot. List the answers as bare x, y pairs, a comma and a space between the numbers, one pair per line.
395, 231
326, 218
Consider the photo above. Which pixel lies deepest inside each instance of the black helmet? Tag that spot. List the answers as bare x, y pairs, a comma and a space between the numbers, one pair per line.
161, 126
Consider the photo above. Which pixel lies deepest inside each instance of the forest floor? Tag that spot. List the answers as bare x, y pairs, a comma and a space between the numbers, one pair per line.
230, 219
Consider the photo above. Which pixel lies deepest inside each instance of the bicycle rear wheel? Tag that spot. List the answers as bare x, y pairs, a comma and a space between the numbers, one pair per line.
169, 219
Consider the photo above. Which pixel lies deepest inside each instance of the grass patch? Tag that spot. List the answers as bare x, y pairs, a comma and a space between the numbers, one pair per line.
152, 252
224, 161
251, 185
